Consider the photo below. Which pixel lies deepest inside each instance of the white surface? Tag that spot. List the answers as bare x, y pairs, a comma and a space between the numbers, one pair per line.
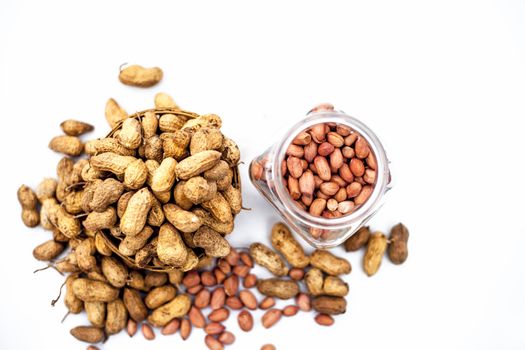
442, 83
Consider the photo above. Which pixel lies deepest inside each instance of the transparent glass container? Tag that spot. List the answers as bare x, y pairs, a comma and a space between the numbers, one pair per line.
267, 176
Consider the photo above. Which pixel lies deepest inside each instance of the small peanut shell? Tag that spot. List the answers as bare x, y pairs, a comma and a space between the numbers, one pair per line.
329, 305
314, 281
269, 259
206, 139
114, 113
198, 189
183, 220
134, 304
398, 250
108, 144
374, 253
231, 153
357, 240
218, 172
170, 246
285, 243
212, 242
196, 164
335, 286
91, 290
88, 334
165, 101
117, 316
130, 245
164, 177
135, 175
70, 145
176, 308
234, 198
136, 214
136, 75
73, 127
48, 250
115, 272
218, 207
329, 263
279, 288
96, 312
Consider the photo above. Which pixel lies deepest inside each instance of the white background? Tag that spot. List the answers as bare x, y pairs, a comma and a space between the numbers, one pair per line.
442, 83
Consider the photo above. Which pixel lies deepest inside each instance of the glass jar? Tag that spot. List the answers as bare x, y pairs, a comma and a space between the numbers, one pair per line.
266, 173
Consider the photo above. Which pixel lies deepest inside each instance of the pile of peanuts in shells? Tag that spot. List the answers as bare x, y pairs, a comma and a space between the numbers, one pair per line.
162, 188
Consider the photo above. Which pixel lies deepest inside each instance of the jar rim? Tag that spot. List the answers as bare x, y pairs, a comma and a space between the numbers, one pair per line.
382, 171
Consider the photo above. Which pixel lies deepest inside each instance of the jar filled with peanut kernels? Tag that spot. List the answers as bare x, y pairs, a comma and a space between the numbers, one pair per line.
326, 177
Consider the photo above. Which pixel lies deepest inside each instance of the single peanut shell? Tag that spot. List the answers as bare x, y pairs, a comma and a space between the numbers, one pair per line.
398, 250
374, 253
176, 308
329, 263
170, 246
136, 75
269, 259
329, 305
284, 242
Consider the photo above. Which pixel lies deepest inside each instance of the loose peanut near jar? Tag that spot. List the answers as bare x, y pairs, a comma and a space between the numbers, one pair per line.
326, 177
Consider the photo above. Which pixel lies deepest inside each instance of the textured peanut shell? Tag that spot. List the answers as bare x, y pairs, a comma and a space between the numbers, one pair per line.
111, 162
398, 249
106, 193
212, 242
196, 164
159, 296
130, 245
192, 261
26, 197
284, 242
329, 263
90, 290
98, 221
205, 120
226, 181
171, 122
211, 222
117, 316
180, 198
114, 113
219, 208
115, 272
278, 288
164, 177
219, 171
122, 202
136, 281
134, 304
136, 213
89, 173
84, 252
374, 253
198, 190
329, 305
174, 144
96, 312
164, 101
135, 175
65, 222
357, 240
73, 202
335, 286
183, 220
73, 127
176, 308
88, 334
156, 214
130, 135
30, 217
101, 245
206, 139
269, 259
73, 304
150, 124
170, 246
108, 144
70, 145
314, 281
234, 198
153, 148
145, 254
136, 75
231, 153
46, 189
